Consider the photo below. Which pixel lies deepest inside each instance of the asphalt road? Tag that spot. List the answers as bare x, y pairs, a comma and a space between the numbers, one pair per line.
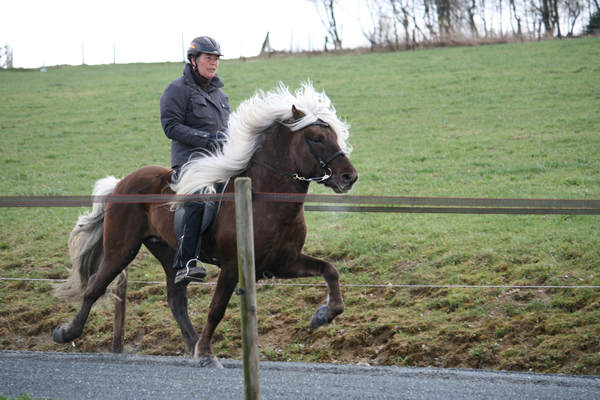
108, 376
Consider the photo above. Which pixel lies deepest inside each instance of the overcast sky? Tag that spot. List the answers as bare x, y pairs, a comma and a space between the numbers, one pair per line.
52, 32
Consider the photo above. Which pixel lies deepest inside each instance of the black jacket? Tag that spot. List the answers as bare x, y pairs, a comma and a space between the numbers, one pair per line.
191, 117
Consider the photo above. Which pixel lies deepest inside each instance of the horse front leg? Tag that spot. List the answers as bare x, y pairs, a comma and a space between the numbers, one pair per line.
306, 266
228, 278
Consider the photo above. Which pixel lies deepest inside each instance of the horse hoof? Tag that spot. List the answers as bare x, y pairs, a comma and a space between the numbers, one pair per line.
58, 336
210, 362
320, 317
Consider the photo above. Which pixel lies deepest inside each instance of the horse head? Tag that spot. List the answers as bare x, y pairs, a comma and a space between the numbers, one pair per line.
317, 155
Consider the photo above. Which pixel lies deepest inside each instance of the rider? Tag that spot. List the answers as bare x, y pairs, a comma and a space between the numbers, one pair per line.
194, 112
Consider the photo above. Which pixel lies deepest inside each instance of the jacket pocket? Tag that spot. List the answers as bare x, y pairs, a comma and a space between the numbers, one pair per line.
199, 106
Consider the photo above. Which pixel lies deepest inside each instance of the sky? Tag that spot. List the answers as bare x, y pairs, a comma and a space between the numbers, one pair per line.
56, 32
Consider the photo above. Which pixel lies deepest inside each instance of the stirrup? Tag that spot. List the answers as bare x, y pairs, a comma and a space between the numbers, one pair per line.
194, 273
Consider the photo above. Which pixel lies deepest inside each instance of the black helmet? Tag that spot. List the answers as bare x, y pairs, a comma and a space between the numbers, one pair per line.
203, 44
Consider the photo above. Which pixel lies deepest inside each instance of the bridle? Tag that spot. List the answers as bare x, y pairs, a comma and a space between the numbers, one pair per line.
322, 163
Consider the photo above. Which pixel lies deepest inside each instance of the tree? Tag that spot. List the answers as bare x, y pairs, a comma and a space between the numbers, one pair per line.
548, 14
471, 9
593, 26
394, 21
326, 10
444, 16
573, 10
414, 21
384, 19
6, 57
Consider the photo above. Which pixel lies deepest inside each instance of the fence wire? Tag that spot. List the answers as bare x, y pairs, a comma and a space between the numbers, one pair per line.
347, 285
345, 203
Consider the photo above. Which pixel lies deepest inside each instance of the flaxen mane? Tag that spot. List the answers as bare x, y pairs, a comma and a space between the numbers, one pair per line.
245, 128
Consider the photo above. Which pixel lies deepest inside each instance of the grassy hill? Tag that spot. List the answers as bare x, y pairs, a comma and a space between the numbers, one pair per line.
514, 120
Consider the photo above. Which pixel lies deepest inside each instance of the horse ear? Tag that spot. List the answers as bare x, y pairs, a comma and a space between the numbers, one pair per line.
297, 114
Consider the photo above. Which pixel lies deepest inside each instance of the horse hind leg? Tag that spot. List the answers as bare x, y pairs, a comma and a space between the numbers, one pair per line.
115, 260
176, 294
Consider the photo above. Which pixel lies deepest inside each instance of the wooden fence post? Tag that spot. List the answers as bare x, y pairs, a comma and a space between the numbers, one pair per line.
120, 297
247, 291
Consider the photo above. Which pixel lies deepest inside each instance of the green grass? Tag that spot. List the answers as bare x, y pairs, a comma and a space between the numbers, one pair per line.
515, 120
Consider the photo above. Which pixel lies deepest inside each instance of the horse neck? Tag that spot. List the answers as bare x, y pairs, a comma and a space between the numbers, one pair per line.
276, 152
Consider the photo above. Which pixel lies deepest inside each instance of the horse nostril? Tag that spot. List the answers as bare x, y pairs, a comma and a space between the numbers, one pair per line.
348, 178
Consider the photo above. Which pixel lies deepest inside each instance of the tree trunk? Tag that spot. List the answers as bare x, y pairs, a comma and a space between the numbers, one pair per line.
333, 29
517, 18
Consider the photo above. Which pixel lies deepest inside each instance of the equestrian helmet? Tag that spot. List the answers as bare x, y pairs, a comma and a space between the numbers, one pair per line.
203, 44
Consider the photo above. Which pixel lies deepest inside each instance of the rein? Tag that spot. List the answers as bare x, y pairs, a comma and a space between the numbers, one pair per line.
323, 164
294, 175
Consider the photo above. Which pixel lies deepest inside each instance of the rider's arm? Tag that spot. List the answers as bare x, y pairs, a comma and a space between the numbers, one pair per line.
173, 105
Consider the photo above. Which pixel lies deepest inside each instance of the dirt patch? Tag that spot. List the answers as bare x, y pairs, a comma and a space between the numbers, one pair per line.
381, 326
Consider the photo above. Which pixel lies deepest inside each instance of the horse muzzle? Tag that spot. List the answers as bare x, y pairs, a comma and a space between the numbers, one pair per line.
343, 182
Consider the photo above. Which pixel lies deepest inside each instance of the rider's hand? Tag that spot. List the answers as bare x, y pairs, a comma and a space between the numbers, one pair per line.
221, 137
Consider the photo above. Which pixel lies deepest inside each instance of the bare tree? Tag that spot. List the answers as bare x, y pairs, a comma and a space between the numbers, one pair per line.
397, 23
555, 17
481, 14
415, 20
326, 10
471, 9
447, 18
379, 16
573, 10
405, 13
6, 57
385, 17
545, 10
398, 17
429, 17
517, 17
444, 16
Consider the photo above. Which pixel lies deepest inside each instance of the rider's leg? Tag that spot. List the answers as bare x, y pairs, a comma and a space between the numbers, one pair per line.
185, 260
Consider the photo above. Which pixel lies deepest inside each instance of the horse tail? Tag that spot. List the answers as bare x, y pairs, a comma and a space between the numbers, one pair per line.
85, 242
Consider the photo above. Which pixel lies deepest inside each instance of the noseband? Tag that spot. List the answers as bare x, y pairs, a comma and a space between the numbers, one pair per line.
323, 164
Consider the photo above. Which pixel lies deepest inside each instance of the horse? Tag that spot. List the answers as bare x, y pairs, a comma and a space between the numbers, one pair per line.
282, 141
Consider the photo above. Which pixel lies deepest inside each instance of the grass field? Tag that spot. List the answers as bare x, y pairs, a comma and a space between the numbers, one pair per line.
514, 120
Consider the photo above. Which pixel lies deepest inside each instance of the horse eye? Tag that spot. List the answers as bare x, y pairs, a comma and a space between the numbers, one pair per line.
317, 139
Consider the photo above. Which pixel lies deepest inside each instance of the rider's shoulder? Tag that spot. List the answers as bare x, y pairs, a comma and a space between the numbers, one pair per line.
177, 88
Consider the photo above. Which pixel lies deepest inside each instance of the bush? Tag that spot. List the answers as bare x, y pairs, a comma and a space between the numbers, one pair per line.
593, 26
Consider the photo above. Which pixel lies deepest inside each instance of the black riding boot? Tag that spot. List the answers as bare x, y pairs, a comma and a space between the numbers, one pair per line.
185, 258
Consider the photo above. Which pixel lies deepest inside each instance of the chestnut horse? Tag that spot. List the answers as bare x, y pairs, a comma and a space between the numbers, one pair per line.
282, 141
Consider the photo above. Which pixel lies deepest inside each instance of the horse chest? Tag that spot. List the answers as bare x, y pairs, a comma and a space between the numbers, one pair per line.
275, 248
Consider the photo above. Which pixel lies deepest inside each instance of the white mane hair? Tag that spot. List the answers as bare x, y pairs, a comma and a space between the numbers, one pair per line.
248, 123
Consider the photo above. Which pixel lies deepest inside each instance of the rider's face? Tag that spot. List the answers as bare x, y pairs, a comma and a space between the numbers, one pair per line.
207, 65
